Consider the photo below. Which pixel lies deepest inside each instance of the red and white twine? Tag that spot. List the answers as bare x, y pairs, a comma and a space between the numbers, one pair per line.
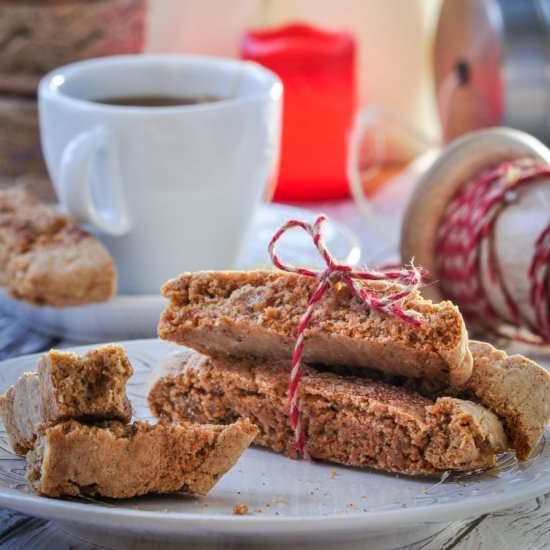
466, 229
387, 299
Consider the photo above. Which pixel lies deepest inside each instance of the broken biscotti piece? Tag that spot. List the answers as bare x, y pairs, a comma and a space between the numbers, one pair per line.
91, 386
350, 421
516, 389
46, 259
513, 387
257, 313
121, 461
21, 411
66, 386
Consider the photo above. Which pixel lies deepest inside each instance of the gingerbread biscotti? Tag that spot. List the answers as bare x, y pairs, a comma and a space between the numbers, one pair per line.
91, 387
21, 411
516, 389
256, 313
46, 259
121, 461
350, 421
513, 387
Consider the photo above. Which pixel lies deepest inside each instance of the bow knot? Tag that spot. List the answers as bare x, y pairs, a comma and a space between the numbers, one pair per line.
386, 296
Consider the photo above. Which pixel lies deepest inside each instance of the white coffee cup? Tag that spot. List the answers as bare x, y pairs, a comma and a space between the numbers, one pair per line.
167, 189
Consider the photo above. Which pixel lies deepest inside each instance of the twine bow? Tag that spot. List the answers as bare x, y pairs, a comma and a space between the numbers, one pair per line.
375, 298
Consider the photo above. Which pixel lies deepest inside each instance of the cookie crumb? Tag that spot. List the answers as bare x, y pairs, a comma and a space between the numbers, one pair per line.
333, 474
240, 509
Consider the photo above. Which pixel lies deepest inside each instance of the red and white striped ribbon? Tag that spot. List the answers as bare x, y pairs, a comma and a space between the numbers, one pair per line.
538, 274
467, 226
402, 283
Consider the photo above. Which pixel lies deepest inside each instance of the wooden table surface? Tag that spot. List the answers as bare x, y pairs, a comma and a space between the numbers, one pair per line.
525, 526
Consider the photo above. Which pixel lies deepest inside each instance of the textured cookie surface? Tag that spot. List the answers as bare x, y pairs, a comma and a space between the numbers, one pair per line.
516, 389
21, 412
121, 461
350, 421
91, 387
46, 259
256, 313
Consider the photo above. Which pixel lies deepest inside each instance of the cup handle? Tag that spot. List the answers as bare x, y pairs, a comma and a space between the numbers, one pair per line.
94, 148
364, 122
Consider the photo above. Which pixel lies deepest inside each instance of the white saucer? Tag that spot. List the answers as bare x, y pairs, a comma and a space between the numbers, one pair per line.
287, 499
136, 316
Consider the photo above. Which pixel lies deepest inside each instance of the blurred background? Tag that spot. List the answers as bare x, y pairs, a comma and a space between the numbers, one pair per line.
394, 45
393, 62
432, 69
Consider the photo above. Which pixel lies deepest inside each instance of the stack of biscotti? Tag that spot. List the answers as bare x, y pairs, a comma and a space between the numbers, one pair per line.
71, 420
377, 392
46, 258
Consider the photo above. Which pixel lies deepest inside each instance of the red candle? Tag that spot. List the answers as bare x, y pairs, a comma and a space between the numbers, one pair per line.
317, 68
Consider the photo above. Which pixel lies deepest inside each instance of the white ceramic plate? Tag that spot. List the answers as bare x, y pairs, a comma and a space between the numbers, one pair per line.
286, 498
127, 316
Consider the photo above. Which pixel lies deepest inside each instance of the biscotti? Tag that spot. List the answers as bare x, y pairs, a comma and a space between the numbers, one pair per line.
46, 259
516, 389
256, 313
513, 387
350, 421
20, 408
66, 386
91, 386
121, 461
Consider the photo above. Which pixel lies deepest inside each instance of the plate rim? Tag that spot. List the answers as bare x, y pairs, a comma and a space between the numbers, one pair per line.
183, 522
